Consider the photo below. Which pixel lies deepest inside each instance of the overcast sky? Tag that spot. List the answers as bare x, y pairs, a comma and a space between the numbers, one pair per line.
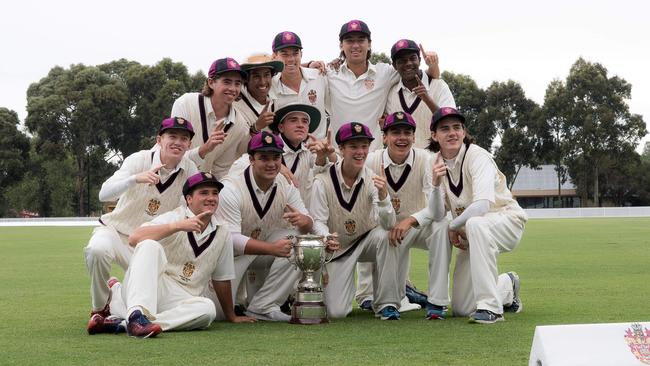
529, 42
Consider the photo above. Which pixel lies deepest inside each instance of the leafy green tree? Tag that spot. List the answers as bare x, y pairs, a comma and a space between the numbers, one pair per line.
151, 93
72, 113
14, 151
597, 123
470, 100
554, 130
517, 122
379, 57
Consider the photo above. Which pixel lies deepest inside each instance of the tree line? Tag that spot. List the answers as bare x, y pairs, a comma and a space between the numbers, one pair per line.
83, 120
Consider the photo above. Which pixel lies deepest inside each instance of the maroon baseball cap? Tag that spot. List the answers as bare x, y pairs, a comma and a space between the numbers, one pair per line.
222, 65
200, 178
398, 119
354, 26
402, 46
443, 113
265, 142
284, 40
351, 131
176, 123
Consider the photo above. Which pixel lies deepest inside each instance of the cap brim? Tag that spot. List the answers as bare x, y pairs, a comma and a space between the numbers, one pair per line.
313, 112
219, 186
176, 128
400, 123
457, 115
243, 74
280, 47
403, 50
342, 35
357, 137
267, 149
277, 66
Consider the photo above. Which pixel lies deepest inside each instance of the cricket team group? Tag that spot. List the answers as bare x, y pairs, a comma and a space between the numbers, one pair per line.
373, 157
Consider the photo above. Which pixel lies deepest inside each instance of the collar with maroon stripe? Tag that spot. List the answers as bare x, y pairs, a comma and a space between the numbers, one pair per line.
198, 249
162, 187
339, 195
204, 120
261, 212
458, 189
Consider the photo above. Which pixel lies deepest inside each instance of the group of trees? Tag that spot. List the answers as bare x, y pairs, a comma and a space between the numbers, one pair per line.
584, 128
82, 121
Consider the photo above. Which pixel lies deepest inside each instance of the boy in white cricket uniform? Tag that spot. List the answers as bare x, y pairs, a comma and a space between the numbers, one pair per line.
221, 134
182, 259
261, 210
302, 159
350, 200
297, 84
487, 220
358, 88
257, 103
148, 183
408, 174
416, 93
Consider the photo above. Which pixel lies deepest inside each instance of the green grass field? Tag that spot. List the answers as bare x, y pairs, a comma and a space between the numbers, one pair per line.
572, 271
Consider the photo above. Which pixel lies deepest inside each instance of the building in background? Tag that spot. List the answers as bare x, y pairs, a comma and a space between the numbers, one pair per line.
539, 189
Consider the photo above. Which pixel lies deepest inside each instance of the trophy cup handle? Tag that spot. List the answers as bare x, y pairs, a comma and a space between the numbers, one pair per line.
291, 258
329, 255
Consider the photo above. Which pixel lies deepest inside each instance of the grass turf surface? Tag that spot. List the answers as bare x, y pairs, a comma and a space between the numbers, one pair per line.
572, 271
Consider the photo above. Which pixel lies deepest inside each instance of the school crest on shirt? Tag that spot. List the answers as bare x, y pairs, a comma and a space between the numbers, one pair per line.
638, 339
312, 96
152, 207
459, 210
256, 233
350, 226
369, 83
188, 270
397, 203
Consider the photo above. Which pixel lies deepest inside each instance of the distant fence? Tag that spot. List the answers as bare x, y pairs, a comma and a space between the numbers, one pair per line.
559, 213
51, 221
533, 213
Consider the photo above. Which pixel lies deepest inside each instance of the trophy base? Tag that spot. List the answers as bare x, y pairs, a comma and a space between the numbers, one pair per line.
309, 308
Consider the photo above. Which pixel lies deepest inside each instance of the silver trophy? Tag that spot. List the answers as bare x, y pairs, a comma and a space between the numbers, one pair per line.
309, 255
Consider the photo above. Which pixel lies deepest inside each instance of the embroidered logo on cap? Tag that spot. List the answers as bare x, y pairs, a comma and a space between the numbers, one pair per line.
232, 64
401, 44
354, 25
180, 121
268, 139
399, 115
358, 128
288, 37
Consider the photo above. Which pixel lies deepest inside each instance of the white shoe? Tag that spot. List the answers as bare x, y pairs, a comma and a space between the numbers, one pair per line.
407, 306
272, 316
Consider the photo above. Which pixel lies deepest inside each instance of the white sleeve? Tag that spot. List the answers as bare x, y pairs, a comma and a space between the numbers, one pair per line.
293, 199
436, 204
441, 94
120, 181
476, 208
229, 214
225, 267
484, 177
194, 157
319, 209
